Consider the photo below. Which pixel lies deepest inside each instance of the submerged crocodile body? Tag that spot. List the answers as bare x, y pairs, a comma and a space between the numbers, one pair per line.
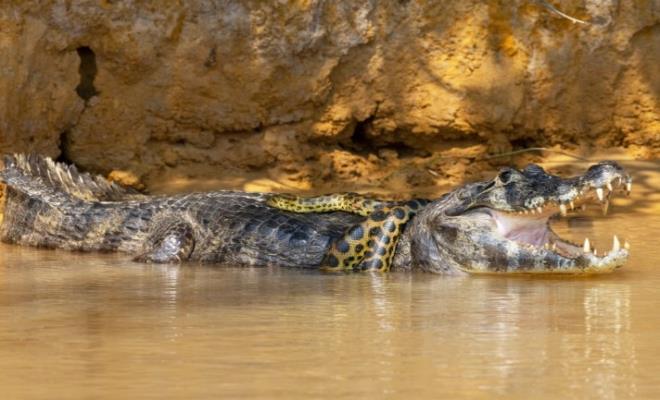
500, 225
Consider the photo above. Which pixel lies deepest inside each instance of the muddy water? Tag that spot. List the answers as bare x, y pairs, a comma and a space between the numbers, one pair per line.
90, 326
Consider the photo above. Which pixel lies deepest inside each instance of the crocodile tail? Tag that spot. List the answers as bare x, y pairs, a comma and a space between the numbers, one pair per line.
40, 176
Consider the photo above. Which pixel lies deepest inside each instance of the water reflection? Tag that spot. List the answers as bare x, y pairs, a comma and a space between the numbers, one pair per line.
86, 322
610, 343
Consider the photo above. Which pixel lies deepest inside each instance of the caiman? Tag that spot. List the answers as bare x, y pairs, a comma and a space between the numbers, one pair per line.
495, 226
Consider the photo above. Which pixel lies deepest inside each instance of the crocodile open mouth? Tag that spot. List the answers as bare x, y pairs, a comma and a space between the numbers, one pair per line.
530, 226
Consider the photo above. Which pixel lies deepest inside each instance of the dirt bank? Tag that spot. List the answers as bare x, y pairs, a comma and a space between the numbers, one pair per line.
397, 96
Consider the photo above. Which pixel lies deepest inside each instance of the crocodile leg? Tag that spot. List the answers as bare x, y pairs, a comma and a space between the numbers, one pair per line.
168, 242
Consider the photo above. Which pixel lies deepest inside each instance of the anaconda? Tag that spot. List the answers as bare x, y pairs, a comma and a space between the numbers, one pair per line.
495, 226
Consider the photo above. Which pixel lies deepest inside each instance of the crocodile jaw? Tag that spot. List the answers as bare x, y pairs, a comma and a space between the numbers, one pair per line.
530, 229
534, 232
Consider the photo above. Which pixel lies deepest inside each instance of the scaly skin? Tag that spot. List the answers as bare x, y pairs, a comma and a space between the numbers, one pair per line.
467, 230
369, 245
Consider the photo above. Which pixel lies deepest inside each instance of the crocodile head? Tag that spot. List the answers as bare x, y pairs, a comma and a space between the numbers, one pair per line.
502, 225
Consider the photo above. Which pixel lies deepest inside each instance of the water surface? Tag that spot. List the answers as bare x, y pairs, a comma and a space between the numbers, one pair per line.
99, 326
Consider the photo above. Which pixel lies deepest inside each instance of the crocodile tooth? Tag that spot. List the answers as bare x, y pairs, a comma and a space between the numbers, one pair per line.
570, 203
595, 252
562, 208
605, 206
586, 247
609, 186
626, 245
539, 210
616, 245
629, 187
554, 247
600, 194
583, 207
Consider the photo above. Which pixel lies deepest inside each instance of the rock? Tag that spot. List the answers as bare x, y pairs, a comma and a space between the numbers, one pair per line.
156, 88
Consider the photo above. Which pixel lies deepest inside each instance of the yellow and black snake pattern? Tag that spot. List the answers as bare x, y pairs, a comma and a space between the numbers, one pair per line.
369, 245
349, 202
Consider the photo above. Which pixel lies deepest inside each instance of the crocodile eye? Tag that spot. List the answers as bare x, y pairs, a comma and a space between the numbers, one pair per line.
505, 176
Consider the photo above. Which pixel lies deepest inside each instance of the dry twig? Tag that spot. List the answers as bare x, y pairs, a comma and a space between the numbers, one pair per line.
510, 153
561, 14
